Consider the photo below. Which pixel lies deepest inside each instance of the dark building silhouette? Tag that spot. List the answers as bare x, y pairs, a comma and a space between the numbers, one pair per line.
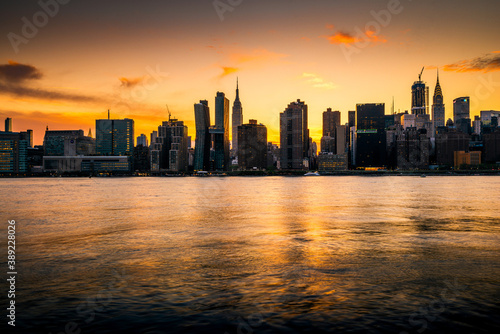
331, 119
492, 147
237, 119
169, 151
202, 142
8, 124
220, 133
252, 146
413, 148
419, 98
294, 136
461, 114
449, 142
352, 118
370, 135
142, 159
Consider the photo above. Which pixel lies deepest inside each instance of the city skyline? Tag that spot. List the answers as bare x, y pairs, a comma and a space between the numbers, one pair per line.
55, 79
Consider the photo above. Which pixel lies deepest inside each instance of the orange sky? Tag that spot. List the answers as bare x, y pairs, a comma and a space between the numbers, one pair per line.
135, 59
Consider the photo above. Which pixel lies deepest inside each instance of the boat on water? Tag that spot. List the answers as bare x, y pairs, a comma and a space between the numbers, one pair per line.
312, 174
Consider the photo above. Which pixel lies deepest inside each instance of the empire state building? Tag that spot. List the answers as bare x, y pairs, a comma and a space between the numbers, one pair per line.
237, 120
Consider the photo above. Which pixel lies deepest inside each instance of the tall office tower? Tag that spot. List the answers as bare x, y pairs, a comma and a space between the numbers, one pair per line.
461, 114
252, 142
352, 118
220, 132
170, 149
115, 137
202, 141
294, 136
419, 97
8, 124
370, 135
237, 119
331, 119
438, 106
142, 140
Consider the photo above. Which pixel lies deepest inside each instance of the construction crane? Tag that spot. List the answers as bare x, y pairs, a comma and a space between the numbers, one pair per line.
169, 113
420, 75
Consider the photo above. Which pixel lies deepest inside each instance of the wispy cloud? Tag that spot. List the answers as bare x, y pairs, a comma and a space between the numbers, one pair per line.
130, 82
344, 37
318, 82
15, 80
250, 59
486, 63
227, 71
16, 72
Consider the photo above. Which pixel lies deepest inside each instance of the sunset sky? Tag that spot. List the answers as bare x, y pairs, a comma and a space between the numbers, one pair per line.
135, 57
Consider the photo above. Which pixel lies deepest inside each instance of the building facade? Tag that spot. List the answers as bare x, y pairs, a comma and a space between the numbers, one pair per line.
115, 137
202, 141
438, 109
294, 136
370, 135
252, 141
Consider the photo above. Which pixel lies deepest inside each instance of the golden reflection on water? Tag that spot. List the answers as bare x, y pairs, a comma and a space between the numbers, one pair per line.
299, 247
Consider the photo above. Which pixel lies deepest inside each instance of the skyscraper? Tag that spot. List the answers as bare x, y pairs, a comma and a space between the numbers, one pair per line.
461, 114
13, 152
419, 97
237, 119
294, 136
115, 137
8, 124
252, 141
331, 119
169, 151
202, 143
220, 132
142, 140
438, 110
370, 135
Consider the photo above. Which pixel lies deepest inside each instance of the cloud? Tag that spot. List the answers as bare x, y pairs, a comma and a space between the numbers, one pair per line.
318, 82
16, 72
486, 63
343, 37
130, 83
253, 59
256, 56
227, 71
13, 81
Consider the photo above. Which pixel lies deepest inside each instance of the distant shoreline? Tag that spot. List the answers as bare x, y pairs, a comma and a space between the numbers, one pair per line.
419, 173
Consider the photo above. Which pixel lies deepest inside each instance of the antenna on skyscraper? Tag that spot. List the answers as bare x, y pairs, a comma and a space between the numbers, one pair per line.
108, 115
393, 105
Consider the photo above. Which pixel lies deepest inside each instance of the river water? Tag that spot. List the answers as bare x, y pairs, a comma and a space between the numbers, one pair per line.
356, 254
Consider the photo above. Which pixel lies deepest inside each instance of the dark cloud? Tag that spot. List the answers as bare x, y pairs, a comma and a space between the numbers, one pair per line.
130, 82
13, 81
486, 63
16, 72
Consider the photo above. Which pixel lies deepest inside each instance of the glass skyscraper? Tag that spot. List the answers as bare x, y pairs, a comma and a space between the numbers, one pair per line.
115, 137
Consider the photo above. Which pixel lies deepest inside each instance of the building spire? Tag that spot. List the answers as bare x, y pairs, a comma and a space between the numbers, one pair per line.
237, 89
